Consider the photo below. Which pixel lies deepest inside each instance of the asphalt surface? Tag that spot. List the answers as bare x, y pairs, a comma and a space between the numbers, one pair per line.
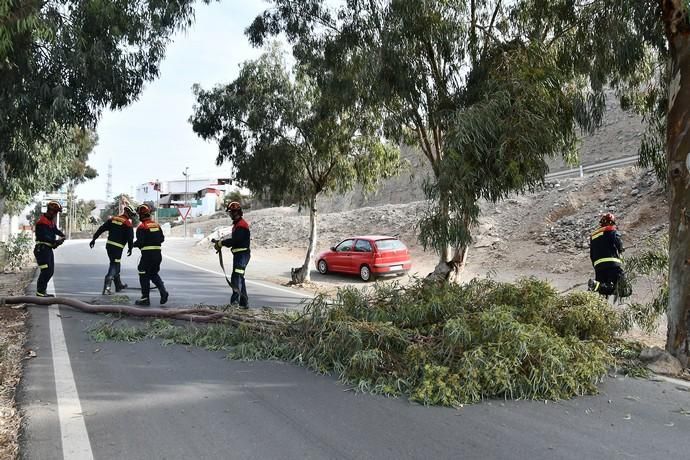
148, 401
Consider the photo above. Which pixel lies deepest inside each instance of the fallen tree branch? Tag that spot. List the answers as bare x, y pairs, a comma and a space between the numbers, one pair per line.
196, 315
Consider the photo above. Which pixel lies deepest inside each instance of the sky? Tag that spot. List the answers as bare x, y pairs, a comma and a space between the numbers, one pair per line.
152, 139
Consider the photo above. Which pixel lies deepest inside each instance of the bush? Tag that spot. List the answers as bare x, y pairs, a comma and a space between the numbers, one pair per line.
17, 251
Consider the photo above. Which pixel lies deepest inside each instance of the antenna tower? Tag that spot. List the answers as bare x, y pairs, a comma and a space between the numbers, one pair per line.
109, 185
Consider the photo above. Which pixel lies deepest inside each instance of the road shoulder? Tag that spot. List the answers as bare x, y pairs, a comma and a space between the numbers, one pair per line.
13, 328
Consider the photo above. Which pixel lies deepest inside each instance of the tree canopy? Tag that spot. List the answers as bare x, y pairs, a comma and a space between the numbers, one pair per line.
285, 137
477, 86
62, 158
63, 61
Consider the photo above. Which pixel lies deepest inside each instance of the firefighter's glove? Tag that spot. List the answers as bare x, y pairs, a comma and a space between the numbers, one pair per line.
129, 252
218, 244
92, 244
59, 242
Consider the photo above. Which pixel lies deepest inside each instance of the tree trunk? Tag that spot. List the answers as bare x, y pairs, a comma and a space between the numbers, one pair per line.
303, 274
2, 206
449, 270
452, 261
678, 155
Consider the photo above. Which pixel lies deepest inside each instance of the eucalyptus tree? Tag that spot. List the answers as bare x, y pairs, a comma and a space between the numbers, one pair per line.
46, 165
287, 138
63, 61
642, 50
470, 83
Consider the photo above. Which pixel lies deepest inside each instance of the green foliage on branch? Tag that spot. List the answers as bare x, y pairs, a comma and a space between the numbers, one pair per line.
436, 344
650, 265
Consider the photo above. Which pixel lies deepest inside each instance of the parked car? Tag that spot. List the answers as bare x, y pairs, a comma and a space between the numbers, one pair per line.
367, 256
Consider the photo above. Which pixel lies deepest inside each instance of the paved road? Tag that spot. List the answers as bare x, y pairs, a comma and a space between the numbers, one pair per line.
145, 401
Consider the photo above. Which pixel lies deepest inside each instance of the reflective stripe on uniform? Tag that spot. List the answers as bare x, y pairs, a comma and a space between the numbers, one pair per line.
151, 248
607, 259
597, 235
41, 294
115, 244
596, 286
234, 250
116, 222
117, 261
43, 267
238, 270
50, 245
154, 229
142, 273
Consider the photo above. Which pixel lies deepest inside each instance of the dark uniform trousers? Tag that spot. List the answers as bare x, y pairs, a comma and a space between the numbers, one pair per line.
115, 257
240, 260
149, 266
46, 262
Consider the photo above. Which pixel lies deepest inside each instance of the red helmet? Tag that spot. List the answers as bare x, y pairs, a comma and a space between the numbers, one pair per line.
607, 219
54, 206
233, 207
143, 211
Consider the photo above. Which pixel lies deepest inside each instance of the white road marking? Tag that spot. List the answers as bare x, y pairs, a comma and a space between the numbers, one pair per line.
75, 439
256, 283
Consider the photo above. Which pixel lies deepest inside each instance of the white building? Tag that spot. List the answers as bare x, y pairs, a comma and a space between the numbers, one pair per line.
204, 195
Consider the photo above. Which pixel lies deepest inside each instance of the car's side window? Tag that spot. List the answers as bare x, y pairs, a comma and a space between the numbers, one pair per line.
345, 246
363, 246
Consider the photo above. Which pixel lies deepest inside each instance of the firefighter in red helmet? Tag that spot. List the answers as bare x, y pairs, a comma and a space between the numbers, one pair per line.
239, 246
47, 239
149, 240
120, 234
605, 249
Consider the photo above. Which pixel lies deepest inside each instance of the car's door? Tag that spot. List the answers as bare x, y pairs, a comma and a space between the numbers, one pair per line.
361, 255
342, 255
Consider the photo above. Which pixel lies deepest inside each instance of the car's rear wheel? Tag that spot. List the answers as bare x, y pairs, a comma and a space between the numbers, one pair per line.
365, 273
322, 267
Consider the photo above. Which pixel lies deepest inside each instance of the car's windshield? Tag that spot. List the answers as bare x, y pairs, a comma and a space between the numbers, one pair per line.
389, 245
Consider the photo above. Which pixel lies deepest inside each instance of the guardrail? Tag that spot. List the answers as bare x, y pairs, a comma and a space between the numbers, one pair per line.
582, 170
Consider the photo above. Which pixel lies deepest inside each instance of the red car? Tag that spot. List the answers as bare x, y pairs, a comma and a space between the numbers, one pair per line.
367, 256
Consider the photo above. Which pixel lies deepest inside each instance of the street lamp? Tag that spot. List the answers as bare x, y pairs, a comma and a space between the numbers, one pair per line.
186, 188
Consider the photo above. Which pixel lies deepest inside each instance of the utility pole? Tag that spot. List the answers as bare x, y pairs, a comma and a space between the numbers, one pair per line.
186, 191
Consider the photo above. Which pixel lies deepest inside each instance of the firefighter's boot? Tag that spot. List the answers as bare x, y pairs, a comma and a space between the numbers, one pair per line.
144, 302
119, 285
106, 286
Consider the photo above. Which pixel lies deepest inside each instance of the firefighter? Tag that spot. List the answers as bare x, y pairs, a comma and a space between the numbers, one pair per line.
239, 244
605, 249
46, 240
149, 240
120, 234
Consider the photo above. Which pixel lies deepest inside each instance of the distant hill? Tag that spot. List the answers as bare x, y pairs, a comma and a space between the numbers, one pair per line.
618, 137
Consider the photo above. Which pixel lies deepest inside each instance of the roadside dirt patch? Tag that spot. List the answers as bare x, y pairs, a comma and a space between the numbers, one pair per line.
12, 340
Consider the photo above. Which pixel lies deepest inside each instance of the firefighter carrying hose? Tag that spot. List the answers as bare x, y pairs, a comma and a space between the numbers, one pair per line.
120, 233
46, 240
605, 250
149, 240
239, 244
